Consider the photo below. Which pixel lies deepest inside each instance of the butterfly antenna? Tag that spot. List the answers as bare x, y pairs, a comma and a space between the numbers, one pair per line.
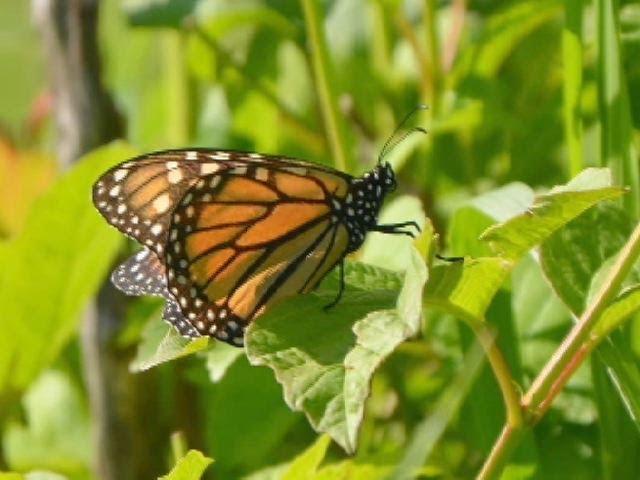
393, 139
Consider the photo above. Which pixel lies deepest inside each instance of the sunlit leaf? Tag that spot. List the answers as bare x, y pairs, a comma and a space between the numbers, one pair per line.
53, 268
325, 361
467, 287
189, 467
161, 343
572, 256
549, 212
219, 358
307, 463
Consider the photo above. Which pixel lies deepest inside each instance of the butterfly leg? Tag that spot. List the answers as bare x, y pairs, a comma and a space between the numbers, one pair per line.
397, 228
340, 289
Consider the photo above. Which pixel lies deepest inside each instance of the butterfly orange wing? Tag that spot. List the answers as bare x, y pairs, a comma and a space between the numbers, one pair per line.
244, 238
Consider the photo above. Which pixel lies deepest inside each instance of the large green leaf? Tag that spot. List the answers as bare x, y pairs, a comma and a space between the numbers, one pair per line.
50, 271
467, 288
576, 260
549, 212
572, 255
325, 361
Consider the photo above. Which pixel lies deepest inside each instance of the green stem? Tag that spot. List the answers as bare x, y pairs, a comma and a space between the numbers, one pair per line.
503, 375
507, 441
566, 360
434, 55
321, 72
178, 446
178, 97
572, 59
616, 137
581, 331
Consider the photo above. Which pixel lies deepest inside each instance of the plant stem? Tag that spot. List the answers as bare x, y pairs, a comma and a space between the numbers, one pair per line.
433, 53
502, 373
580, 333
179, 128
565, 361
178, 446
321, 73
507, 441
572, 59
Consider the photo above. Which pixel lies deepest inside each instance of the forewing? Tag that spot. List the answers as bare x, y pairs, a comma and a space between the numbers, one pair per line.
138, 196
244, 238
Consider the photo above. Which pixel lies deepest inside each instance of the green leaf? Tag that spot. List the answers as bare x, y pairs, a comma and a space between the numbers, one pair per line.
56, 433
515, 237
161, 343
618, 437
572, 255
189, 467
307, 463
576, 260
325, 361
467, 288
626, 304
505, 202
392, 252
36, 475
617, 147
219, 358
352, 470
160, 13
51, 271
469, 221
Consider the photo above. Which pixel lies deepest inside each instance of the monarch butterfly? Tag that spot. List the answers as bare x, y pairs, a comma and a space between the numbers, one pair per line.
228, 233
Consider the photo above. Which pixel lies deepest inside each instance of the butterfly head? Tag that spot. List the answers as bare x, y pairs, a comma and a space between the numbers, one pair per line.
386, 177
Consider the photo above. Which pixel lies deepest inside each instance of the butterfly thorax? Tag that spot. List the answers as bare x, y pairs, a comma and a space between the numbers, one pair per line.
360, 208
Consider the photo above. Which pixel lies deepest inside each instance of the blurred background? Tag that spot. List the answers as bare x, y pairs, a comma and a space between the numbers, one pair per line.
526, 91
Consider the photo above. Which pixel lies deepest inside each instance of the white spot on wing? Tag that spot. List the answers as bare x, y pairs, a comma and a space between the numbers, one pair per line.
208, 168
175, 176
162, 203
120, 174
262, 174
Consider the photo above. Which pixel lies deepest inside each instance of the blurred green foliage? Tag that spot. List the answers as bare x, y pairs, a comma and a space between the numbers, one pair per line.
523, 95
